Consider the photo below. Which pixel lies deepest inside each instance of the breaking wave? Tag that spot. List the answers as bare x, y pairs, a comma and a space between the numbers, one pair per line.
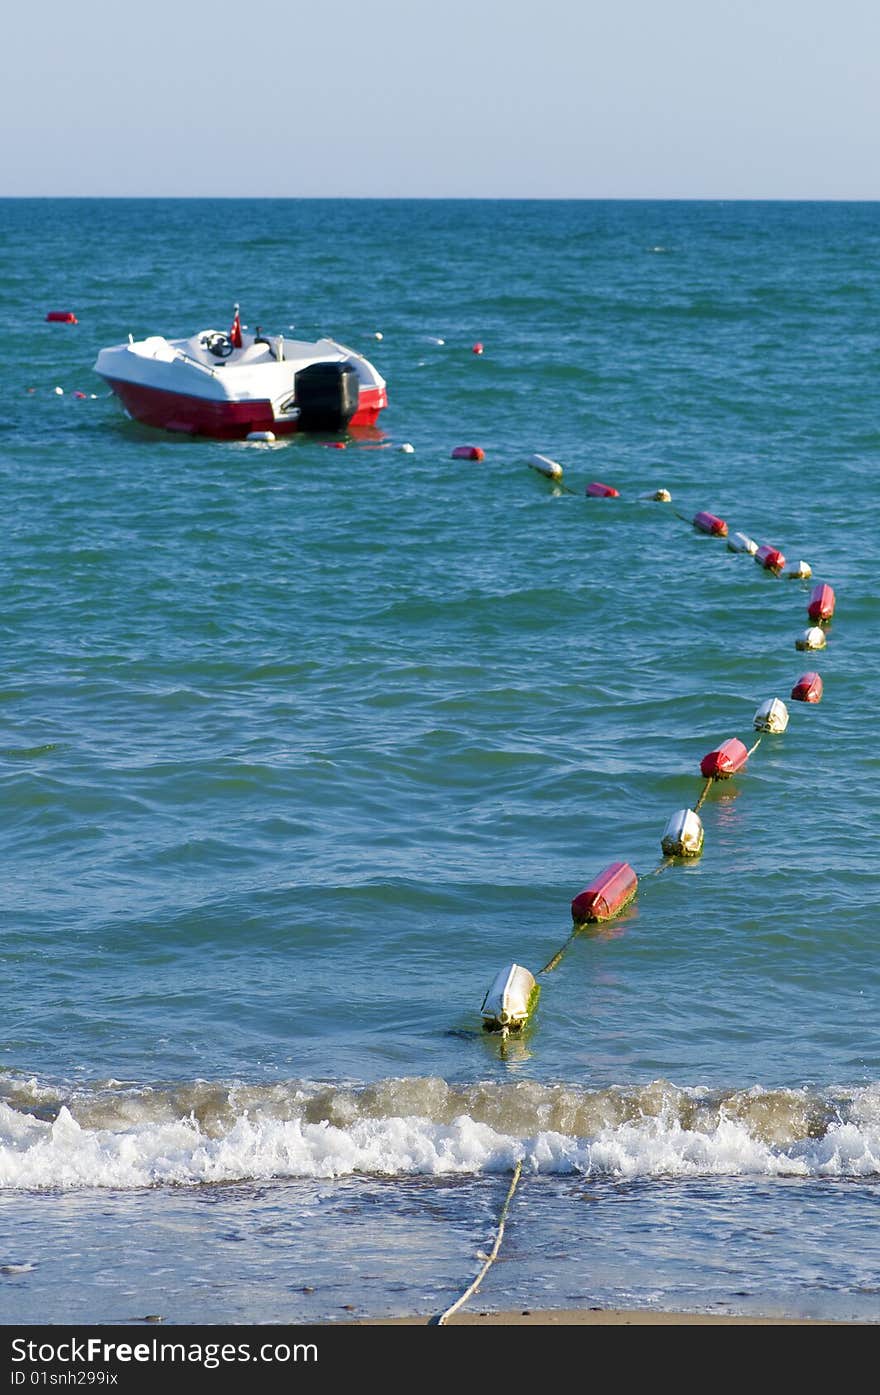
125, 1136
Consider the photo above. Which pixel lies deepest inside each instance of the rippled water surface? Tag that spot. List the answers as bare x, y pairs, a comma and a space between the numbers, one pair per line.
300, 746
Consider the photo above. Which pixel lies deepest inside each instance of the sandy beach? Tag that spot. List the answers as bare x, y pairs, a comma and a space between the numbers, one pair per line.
603, 1317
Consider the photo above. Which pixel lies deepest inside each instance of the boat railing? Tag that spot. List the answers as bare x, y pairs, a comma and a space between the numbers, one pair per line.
196, 363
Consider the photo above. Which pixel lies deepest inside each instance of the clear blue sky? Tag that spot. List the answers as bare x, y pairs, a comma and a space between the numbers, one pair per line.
470, 98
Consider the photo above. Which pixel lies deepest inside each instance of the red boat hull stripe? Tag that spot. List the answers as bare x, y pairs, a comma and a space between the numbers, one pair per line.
173, 411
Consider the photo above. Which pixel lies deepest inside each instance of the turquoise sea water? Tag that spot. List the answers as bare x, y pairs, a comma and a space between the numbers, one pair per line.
300, 746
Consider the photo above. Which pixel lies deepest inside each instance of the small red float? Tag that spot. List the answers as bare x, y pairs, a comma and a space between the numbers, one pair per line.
822, 602
606, 895
602, 491
62, 317
770, 558
468, 453
709, 523
478, 348
730, 757
808, 688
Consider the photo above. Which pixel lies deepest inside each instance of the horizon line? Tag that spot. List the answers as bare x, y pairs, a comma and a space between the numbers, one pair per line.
457, 198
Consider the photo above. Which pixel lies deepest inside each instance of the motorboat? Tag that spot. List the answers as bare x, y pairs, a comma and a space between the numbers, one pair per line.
235, 384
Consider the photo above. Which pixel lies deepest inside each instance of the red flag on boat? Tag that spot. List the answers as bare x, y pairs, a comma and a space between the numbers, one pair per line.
235, 332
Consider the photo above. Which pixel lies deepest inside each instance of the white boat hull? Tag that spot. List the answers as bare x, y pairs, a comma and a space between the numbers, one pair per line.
181, 385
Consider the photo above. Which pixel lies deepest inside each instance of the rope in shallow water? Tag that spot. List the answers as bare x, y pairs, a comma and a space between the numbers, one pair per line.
685, 836
666, 861
557, 957
490, 1258
702, 799
551, 963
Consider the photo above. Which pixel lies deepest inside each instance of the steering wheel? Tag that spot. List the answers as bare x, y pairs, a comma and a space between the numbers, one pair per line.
220, 345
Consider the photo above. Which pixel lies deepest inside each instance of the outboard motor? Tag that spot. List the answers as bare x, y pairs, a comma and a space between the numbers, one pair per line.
327, 396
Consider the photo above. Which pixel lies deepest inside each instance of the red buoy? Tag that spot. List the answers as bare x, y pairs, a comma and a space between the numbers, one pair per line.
478, 348
601, 491
709, 523
730, 757
605, 896
62, 317
822, 601
468, 453
770, 558
808, 688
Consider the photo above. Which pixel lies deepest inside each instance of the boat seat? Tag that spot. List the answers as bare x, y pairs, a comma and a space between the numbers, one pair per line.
261, 351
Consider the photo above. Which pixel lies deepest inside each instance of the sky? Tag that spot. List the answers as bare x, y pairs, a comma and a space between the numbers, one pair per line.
463, 98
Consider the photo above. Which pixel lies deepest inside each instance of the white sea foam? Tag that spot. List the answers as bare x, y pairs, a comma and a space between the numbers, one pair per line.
203, 1133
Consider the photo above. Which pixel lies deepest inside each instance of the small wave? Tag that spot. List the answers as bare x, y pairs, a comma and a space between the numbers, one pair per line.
134, 1136
29, 752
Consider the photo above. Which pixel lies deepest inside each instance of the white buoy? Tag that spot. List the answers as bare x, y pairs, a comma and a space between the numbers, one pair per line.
772, 715
661, 496
378, 334
432, 339
260, 436
683, 835
799, 571
545, 466
511, 999
741, 542
59, 392
407, 448
812, 638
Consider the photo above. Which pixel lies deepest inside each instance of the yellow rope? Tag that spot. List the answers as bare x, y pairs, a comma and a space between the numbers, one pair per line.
661, 866
756, 745
702, 799
551, 963
472, 1288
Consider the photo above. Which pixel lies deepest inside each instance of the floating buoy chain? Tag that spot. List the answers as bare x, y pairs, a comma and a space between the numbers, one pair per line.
510, 1000
770, 558
490, 1258
513, 994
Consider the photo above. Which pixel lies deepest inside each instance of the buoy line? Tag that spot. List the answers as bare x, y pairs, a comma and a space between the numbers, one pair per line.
683, 837
702, 799
551, 963
490, 1258
770, 558
513, 994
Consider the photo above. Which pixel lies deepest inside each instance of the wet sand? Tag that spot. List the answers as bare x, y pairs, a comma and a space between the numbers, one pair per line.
602, 1317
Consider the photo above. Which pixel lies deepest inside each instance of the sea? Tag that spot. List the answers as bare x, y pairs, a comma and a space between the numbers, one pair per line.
304, 742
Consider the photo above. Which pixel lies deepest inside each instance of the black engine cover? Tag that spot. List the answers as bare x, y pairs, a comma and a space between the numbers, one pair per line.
327, 396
